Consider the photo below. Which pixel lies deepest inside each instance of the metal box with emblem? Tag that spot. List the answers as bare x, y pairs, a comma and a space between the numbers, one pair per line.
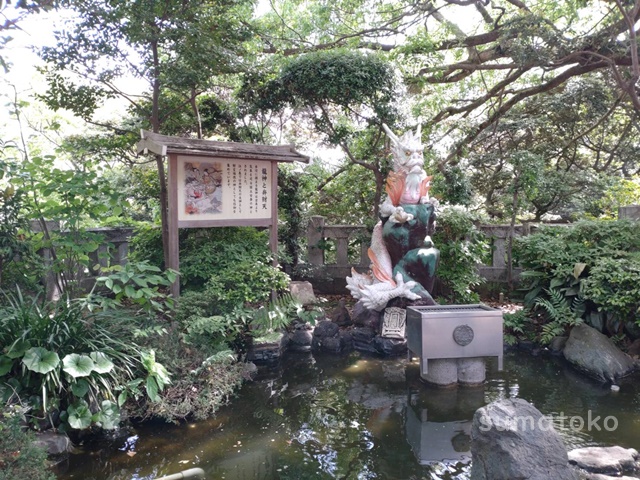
454, 331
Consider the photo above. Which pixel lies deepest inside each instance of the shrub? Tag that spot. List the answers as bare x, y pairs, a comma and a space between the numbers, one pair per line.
203, 252
516, 325
202, 381
594, 262
462, 247
20, 458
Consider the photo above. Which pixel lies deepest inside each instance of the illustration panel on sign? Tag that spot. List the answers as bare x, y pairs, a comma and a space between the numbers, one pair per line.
203, 188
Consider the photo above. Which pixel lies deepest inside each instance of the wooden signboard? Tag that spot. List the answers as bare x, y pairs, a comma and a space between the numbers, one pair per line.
219, 184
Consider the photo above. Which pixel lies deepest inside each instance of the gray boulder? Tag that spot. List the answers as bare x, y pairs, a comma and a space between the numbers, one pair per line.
54, 443
557, 344
512, 440
595, 354
303, 292
606, 460
300, 340
363, 317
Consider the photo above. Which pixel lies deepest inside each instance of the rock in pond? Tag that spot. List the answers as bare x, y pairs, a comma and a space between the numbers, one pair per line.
595, 354
54, 443
512, 440
606, 460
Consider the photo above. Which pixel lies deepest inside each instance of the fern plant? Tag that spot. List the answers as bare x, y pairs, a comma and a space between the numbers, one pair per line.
514, 325
561, 312
276, 315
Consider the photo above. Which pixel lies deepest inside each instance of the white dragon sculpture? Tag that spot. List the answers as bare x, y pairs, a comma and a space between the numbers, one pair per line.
407, 184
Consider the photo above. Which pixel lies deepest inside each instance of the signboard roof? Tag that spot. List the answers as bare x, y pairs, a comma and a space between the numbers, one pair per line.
164, 145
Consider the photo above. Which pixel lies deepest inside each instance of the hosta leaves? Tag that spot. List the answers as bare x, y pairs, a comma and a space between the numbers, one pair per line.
78, 365
79, 415
5, 365
109, 415
18, 349
80, 388
40, 360
101, 362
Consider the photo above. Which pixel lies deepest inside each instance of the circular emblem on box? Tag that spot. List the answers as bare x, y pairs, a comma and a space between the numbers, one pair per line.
463, 335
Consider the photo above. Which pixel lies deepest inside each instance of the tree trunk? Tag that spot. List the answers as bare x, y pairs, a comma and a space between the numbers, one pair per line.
512, 228
162, 177
196, 111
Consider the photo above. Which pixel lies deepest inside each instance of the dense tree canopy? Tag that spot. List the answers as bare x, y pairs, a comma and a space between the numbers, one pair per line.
488, 80
492, 77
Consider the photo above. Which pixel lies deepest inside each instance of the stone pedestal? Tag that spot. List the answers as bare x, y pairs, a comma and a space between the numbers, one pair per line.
449, 372
471, 371
442, 372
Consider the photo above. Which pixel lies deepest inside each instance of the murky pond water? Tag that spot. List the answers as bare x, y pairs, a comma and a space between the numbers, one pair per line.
357, 417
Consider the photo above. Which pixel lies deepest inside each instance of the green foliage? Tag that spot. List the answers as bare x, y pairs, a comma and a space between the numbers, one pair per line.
245, 282
145, 245
276, 315
204, 252
561, 313
64, 358
139, 185
597, 260
220, 314
620, 193
452, 187
344, 78
19, 264
614, 285
291, 206
136, 284
515, 326
20, 457
202, 380
69, 200
13, 216
462, 247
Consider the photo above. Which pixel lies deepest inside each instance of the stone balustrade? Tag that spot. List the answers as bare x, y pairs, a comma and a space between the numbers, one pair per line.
330, 277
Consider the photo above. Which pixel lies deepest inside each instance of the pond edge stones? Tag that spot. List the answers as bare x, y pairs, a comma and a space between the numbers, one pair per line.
605, 460
595, 354
511, 439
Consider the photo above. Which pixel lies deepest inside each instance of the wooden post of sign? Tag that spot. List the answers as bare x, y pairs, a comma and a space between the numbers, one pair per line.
174, 249
273, 232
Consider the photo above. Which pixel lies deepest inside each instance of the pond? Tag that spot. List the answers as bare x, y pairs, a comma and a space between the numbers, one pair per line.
359, 417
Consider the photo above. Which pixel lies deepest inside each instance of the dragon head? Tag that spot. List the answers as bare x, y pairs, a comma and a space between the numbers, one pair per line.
407, 150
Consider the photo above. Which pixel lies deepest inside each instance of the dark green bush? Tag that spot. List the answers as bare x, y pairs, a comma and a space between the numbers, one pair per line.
595, 264
462, 247
204, 252
20, 458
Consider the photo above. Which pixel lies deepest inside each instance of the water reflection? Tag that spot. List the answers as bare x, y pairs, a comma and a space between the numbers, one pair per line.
438, 423
353, 417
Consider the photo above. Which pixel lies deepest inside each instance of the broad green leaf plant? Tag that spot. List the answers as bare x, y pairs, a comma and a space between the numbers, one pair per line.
67, 359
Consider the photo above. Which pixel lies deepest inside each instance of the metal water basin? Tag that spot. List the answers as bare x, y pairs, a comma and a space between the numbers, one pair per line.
454, 331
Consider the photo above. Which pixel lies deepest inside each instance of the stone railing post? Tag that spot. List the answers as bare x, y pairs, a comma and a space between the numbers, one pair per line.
630, 212
315, 234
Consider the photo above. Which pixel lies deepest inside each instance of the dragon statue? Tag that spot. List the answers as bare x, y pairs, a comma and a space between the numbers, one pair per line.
402, 255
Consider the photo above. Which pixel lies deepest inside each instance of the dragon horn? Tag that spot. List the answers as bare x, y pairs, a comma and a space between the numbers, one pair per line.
390, 134
419, 128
